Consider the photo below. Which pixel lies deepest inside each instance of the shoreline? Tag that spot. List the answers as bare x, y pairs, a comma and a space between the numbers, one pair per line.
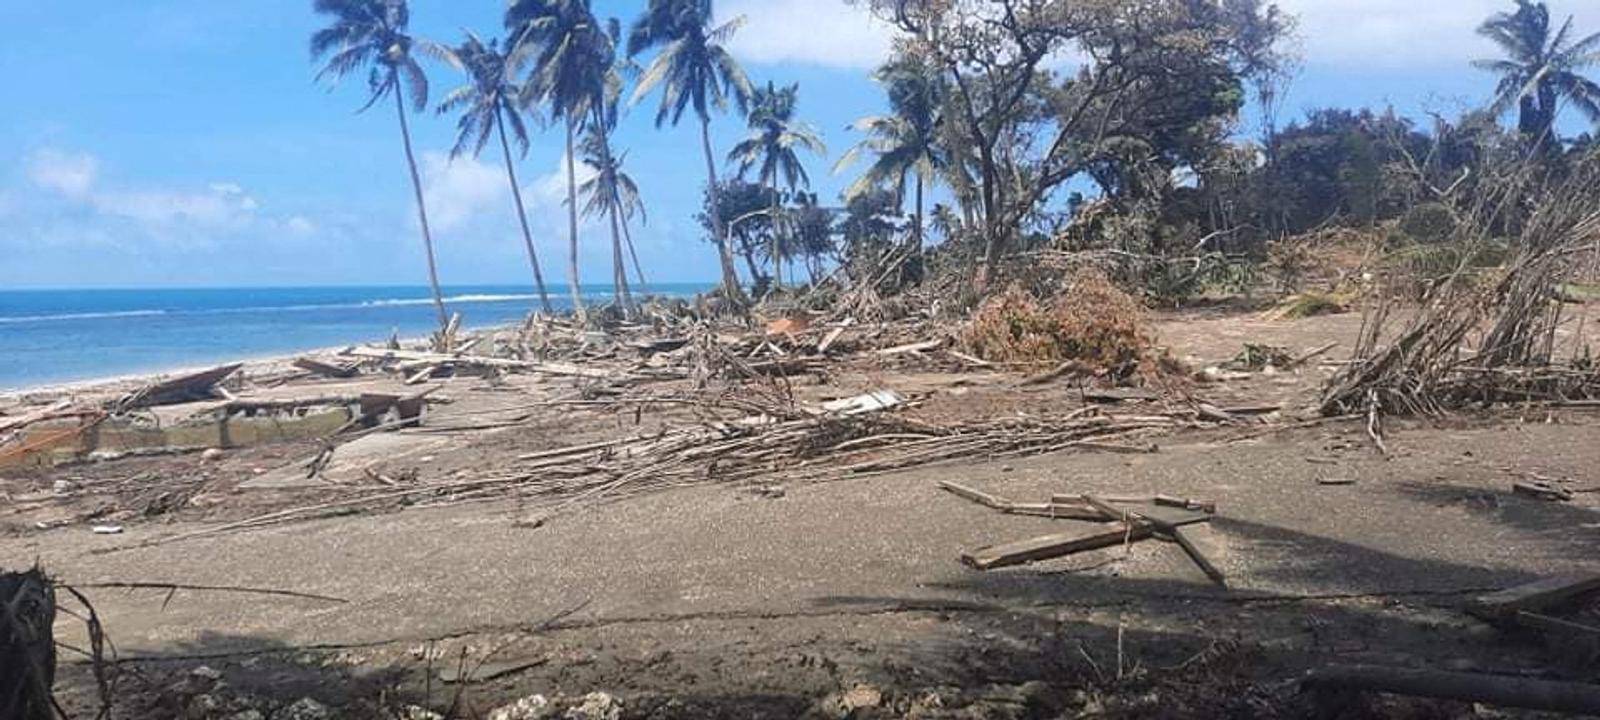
78, 371
254, 365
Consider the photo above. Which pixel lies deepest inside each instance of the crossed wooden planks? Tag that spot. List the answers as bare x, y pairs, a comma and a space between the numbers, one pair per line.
1118, 521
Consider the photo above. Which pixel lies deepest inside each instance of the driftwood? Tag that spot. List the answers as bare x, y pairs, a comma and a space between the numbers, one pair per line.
27, 646
1500, 690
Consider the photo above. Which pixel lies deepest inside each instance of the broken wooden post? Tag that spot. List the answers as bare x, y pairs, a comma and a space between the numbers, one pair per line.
1499, 690
27, 646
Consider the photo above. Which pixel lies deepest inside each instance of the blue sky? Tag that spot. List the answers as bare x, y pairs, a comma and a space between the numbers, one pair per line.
184, 142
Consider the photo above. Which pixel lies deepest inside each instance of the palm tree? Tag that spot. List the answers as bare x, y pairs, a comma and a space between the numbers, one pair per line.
693, 69
775, 136
612, 193
1540, 71
905, 142
570, 56
486, 103
372, 34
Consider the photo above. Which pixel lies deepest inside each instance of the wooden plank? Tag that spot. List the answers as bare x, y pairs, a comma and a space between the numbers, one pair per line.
1115, 395
977, 496
1164, 518
1057, 545
829, 340
1541, 490
1196, 542
1057, 511
51, 412
1555, 625
1534, 596
1503, 690
1163, 500
318, 367
913, 347
1209, 506
184, 388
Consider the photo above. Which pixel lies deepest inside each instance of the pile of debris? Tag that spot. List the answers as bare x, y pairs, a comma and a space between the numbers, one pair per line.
1428, 367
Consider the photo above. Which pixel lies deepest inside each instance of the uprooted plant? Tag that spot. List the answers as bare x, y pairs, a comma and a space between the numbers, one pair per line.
1093, 325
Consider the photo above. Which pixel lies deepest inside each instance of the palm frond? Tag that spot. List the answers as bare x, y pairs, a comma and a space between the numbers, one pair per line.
416, 81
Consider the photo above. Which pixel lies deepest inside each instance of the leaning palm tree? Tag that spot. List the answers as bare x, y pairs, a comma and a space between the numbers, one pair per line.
772, 144
488, 103
693, 69
570, 57
1540, 70
905, 142
371, 34
603, 193
611, 192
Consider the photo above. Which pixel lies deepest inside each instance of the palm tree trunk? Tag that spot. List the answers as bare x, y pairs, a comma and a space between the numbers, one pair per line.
522, 214
572, 224
422, 208
772, 247
730, 279
619, 266
750, 263
627, 237
917, 232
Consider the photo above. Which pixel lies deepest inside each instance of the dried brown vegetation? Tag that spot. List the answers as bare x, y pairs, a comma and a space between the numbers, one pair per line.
1092, 324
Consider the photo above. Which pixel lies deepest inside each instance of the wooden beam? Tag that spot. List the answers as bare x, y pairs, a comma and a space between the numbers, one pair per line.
1195, 541
1163, 518
1502, 690
977, 496
1534, 596
1046, 547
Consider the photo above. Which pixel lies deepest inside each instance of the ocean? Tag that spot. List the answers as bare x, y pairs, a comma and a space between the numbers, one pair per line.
55, 336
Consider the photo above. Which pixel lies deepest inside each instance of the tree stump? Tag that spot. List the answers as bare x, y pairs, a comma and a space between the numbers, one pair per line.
27, 646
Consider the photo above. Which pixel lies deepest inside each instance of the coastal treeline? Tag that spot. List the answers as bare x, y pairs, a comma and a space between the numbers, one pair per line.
1011, 126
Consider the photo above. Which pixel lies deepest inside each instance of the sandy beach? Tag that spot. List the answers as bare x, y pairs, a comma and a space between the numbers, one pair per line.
464, 531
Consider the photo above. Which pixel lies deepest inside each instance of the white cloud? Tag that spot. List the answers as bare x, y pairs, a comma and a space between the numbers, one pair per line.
1352, 34
460, 189
67, 173
104, 213
75, 176
471, 213
818, 32
300, 225
163, 207
1415, 34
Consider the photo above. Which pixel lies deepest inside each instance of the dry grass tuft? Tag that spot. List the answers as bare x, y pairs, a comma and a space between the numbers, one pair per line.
1093, 324
1309, 304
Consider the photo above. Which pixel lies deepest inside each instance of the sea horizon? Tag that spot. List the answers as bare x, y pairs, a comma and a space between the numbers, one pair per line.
59, 336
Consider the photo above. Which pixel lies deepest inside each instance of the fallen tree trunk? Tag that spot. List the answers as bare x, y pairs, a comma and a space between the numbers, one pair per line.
27, 646
1499, 690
